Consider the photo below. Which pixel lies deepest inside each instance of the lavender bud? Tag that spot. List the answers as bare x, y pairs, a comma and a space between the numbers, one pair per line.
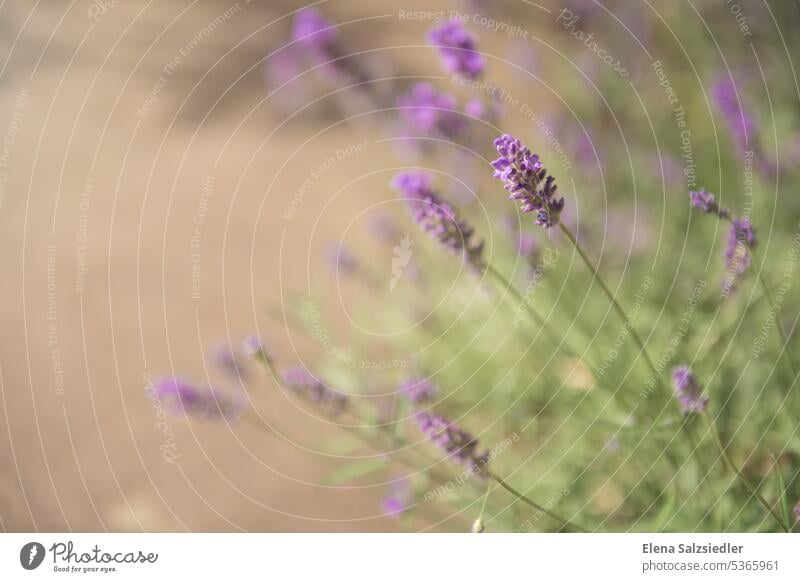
689, 391
524, 177
432, 113
458, 444
418, 390
299, 380
182, 397
437, 218
457, 49
705, 202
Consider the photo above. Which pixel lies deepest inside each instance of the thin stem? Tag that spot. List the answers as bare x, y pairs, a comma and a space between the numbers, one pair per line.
564, 523
617, 307
778, 325
732, 466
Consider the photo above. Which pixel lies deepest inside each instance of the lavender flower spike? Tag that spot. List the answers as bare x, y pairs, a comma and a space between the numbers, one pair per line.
418, 390
526, 179
437, 218
182, 397
705, 202
457, 49
741, 238
299, 380
458, 444
689, 390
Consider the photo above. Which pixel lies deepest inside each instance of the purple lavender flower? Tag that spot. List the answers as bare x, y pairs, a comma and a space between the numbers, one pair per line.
705, 202
741, 238
457, 49
742, 127
253, 347
182, 397
432, 113
315, 33
689, 390
458, 444
229, 360
526, 179
418, 390
396, 500
298, 379
437, 218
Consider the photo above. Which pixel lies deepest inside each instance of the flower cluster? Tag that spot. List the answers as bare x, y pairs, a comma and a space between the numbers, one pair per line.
432, 113
526, 179
461, 446
457, 49
299, 380
689, 390
437, 218
705, 202
183, 397
418, 390
741, 125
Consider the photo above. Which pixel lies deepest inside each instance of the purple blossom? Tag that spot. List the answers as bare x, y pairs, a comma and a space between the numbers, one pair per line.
705, 202
418, 390
182, 397
397, 499
315, 33
526, 179
457, 49
432, 113
229, 360
742, 127
458, 444
437, 218
689, 390
253, 346
297, 379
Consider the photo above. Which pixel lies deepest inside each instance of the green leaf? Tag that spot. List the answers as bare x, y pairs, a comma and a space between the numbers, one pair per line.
668, 509
782, 497
354, 470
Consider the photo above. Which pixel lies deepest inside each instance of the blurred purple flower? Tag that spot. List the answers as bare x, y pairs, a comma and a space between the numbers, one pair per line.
418, 390
437, 218
457, 49
299, 380
397, 499
182, 397
341, 260
315, 33
432, 113
253, 347
458, 444
688, 390
229, 360
526, 179
743, 128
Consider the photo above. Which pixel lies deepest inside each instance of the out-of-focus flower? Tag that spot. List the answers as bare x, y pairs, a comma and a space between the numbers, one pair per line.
341, 260
253, 347
183, 397
432, 113
689, 390
418, 390
459, 445
299, 380
742, 126
396, 501
457, 49
705, 201
526, 179
229, 359
437, 218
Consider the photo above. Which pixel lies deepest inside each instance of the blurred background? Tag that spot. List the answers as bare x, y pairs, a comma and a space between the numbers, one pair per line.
173, 178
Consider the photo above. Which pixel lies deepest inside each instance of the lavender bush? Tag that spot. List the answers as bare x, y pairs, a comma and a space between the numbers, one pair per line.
588, 394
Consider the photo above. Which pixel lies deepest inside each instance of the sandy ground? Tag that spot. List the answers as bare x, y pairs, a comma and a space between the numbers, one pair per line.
109, 177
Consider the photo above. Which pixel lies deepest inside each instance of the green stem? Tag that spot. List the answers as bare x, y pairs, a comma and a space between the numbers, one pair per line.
615, 304
738, 473
778, 325
555, 517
